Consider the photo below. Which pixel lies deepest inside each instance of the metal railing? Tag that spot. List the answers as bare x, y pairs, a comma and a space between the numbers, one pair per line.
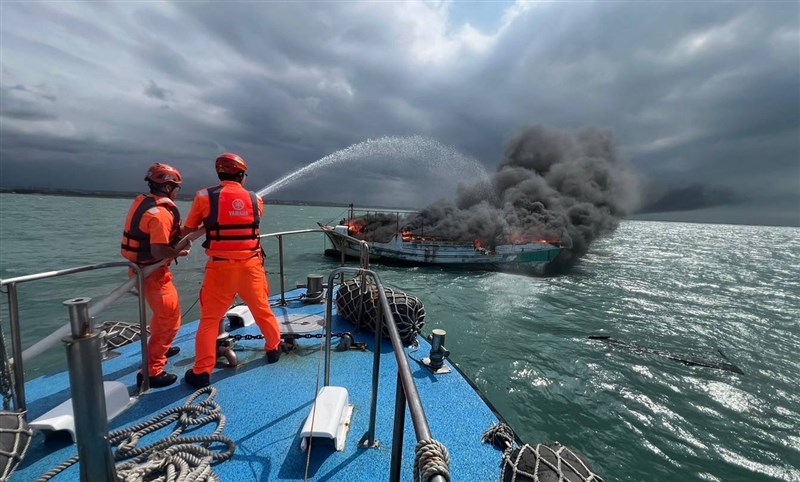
19, 357
344, 239
406, 391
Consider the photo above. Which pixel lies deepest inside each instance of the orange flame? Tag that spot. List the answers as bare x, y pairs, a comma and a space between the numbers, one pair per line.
522, 238
354, 226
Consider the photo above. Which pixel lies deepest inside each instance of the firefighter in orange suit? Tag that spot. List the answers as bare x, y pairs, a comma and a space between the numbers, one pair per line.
230, 215
152, 229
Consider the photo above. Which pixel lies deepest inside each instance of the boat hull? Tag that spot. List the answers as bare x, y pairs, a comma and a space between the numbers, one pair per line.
531, 256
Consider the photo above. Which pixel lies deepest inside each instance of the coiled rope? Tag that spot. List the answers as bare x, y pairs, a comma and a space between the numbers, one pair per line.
175, 457
431, 458
499, 436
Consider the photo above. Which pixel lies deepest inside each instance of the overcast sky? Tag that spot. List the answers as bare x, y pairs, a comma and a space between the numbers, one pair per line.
703, 97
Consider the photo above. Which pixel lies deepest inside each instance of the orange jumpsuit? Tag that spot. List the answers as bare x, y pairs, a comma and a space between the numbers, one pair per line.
230, 215
155, 220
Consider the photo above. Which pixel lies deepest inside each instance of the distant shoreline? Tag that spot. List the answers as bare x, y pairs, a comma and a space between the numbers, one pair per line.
131, 195
669, 217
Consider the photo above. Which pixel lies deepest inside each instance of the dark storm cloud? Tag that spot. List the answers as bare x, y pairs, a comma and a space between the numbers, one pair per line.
22, 88
697, 94
156, 92
21, 103
695, 196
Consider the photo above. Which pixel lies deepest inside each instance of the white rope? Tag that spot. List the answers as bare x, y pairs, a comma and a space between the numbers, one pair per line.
431, 458
176, 458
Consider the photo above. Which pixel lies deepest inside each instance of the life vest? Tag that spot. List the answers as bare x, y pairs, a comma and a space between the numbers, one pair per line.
233, 222
135, 242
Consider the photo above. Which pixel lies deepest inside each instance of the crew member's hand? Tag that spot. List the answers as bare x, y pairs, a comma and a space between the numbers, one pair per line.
185, 251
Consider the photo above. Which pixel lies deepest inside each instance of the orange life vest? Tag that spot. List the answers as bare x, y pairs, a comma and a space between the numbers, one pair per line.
233, 221
135, 242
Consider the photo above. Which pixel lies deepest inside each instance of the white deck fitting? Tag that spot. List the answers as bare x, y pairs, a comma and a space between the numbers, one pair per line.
242, 313
329, 417
289, 323
62, 417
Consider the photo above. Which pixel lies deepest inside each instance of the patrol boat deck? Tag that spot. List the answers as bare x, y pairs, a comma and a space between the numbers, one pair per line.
266, 407
382, 412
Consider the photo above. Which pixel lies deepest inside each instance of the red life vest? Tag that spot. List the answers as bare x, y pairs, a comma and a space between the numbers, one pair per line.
135, 242
233, 222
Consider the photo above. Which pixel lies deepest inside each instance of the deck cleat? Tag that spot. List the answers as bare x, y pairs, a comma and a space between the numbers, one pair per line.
225, 349
435, 361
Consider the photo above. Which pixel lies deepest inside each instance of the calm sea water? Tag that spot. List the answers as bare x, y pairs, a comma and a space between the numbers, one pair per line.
686, 288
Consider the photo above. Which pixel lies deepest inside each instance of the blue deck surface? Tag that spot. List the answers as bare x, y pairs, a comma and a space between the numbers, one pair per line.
266, 406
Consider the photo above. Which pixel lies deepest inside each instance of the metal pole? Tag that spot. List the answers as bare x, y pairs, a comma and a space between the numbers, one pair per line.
418, 417
362, 297
142, 329
280, 261
364, 255
88, 395
16, 345
328, 324
376, 368
399, 428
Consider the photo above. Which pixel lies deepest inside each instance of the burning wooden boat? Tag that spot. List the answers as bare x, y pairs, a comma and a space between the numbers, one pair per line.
407, 247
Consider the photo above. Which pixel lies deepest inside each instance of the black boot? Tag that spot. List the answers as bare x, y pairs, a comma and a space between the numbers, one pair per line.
173, 350
197, 381
162, 380
273, 356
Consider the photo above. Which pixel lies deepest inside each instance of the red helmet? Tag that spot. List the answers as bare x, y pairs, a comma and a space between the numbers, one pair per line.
163, 174
230, 164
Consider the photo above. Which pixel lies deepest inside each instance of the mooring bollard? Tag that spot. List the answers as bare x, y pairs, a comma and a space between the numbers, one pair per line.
435, 360
88, 395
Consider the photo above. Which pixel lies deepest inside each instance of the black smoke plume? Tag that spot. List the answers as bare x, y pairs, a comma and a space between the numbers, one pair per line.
552, 185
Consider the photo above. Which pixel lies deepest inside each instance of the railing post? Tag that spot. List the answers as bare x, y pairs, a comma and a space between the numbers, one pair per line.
376, 368
140, 278
399, 428
88, 395
16, 344
280, 261
328, 324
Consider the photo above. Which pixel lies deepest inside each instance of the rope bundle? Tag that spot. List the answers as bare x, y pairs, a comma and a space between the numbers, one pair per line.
175, 457
431, 458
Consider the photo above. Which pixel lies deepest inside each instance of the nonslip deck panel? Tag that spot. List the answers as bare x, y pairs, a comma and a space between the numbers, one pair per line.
267, 405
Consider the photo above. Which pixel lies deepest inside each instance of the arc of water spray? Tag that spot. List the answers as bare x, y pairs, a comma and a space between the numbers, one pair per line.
417, 146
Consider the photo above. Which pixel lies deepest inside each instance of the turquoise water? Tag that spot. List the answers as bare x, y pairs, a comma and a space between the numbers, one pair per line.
686, 288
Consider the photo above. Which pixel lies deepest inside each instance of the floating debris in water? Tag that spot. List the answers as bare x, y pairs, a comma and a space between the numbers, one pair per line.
686, 359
